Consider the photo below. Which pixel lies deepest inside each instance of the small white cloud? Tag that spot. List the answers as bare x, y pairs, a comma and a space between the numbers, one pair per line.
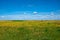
2, 16
35, 12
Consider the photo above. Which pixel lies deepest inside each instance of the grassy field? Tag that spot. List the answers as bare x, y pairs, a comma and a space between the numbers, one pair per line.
30, 30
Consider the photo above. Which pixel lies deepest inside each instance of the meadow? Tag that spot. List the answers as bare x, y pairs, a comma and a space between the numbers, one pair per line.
29, 29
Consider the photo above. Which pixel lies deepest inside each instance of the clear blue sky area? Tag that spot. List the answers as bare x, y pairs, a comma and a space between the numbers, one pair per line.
9, 7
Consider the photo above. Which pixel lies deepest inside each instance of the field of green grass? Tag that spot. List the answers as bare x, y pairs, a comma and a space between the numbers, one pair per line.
30, 30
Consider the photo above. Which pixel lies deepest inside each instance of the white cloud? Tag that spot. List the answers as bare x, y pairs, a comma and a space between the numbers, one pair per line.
35, 12
2, 16
25, 16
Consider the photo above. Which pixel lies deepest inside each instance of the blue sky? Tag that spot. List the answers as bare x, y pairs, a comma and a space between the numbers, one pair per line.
19, 9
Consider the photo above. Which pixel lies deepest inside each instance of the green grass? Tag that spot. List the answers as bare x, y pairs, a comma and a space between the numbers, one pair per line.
35, 32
